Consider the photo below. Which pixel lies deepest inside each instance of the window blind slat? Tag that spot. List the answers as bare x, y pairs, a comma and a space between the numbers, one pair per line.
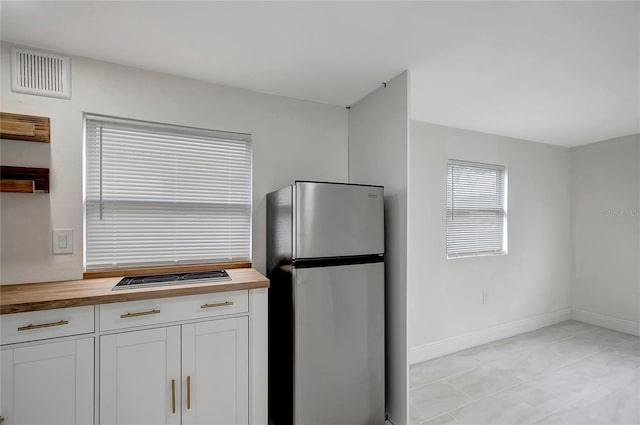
159, 195
476, 210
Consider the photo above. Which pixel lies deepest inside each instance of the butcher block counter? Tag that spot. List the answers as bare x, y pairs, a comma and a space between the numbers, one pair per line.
75, 293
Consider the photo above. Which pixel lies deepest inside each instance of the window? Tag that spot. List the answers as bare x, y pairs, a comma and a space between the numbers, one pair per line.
476, 209
165, 195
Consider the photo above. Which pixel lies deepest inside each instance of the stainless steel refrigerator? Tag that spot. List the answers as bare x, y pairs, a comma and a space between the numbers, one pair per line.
325, 254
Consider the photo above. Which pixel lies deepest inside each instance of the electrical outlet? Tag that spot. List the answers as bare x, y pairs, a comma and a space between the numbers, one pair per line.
63, 241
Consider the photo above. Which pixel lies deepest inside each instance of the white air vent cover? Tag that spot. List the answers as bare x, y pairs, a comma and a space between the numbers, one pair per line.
42, 74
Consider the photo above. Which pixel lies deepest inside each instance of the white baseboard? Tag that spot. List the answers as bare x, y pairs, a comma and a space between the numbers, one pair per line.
608, 322
473, 339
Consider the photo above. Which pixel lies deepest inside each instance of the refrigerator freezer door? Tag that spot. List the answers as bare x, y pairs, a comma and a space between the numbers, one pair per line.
279, 225
336, 220
339, 345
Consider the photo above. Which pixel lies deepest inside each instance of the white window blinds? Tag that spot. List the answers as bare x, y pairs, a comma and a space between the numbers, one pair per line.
164, 195
476, 213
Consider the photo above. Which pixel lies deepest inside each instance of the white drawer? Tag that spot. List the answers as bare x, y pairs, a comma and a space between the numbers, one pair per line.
35, 325
164, 310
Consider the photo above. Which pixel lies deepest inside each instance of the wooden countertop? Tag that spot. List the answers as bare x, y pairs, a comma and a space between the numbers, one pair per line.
75, 293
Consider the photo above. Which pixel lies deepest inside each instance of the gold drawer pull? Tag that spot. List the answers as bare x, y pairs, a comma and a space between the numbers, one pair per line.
217, 304
44, 325
173, 396
188, 392
142, 313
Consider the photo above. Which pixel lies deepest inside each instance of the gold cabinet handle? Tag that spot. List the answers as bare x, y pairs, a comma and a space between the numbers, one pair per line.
188, 392
44, 325
141, 313
217, 304
173, 396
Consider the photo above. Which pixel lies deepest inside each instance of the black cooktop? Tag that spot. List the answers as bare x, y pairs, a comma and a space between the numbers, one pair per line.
171, 279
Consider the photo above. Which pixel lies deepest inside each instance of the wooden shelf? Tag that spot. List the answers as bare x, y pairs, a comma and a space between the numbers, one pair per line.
28, 128
19, 186
24, 179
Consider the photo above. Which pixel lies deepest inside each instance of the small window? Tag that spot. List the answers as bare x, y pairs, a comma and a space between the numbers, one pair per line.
165, 195
476, 209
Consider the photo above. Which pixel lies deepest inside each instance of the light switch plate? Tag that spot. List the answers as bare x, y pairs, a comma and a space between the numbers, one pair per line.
63, 241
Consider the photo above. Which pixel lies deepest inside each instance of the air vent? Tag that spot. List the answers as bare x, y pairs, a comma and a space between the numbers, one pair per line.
41, 74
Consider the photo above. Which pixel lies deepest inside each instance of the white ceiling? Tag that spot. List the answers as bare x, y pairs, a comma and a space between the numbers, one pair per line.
565, 73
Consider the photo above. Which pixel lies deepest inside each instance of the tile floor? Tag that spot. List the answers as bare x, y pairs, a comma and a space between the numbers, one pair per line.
568, 373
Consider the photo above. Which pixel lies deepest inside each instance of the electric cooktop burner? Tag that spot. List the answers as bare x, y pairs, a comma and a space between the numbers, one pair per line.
171, 279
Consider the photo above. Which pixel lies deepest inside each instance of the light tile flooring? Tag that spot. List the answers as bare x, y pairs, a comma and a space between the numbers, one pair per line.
568, 373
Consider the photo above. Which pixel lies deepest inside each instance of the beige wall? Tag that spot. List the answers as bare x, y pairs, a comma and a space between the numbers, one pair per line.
378, 141
606, 231
292, 139
445, 296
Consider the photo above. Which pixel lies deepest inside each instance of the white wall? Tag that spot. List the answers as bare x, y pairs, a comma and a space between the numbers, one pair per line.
378, 141
533, 279
606, 232
292, 139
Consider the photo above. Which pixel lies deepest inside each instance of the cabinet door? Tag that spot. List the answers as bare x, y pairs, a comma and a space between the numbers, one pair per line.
140, 377
215, 372
49, 383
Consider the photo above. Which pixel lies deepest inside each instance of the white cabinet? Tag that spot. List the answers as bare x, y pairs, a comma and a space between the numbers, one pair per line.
190, 351
140, 377
215, 369
194, 373
49, 383
165, 310
46, 324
